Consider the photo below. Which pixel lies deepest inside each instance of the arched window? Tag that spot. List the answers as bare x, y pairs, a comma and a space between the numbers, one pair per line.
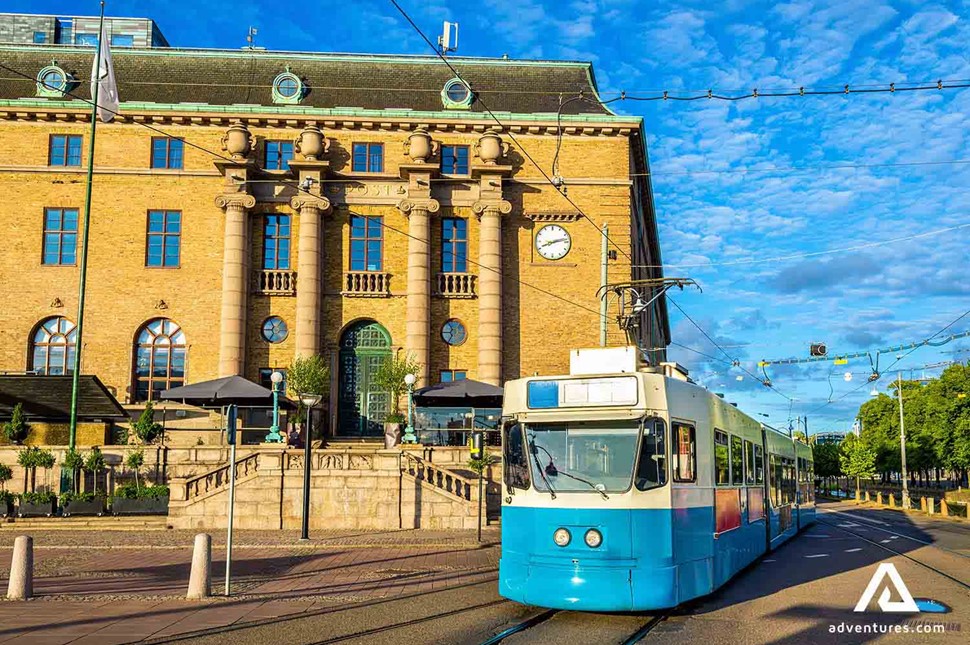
52, 347
160, 352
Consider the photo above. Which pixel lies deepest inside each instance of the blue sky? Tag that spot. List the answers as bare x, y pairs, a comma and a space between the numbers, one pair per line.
852, 300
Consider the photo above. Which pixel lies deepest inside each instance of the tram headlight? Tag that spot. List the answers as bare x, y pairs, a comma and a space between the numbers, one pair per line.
593, 538
562, 537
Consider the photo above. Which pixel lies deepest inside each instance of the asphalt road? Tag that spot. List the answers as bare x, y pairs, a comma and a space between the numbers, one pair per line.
804, 592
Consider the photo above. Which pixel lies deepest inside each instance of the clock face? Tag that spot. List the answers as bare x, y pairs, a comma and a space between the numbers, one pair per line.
553, 242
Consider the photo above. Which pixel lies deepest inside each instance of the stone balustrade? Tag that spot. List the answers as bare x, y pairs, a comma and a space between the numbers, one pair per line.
273, 282
455, 285
367, 284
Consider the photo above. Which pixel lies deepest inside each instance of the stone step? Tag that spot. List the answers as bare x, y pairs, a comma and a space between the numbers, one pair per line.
103, 523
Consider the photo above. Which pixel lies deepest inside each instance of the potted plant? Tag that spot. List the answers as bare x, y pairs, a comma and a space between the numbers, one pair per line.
88, 503
94, 464
33, 503
134, 499
146, 429
6, 497
390, 377
307, 375
17, 428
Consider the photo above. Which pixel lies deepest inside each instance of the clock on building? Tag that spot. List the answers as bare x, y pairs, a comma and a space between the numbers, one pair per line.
553, 242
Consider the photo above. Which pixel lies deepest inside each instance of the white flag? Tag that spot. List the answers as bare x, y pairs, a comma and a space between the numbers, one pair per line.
104, 80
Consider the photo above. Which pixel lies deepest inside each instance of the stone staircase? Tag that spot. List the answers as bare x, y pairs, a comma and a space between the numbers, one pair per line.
86, 523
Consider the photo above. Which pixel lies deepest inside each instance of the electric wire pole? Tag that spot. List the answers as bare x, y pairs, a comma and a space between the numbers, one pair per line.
902, 440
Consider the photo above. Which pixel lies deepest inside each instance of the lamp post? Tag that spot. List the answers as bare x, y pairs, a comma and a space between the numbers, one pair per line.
902, 441
310, 401
409, 436
274, 432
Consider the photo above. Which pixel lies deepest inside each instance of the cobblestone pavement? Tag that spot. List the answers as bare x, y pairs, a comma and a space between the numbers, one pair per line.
119, 587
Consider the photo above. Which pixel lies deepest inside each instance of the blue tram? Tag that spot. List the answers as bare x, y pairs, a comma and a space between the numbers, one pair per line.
639, 490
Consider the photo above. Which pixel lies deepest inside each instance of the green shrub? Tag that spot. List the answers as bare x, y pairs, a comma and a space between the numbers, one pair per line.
6, 474
133, 491
79, 497
486, 460
17, 428
6, 497
37, 498
145, 428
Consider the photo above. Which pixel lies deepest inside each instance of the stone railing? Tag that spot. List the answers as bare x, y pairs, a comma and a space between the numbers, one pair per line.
440, 478
367, 284
272, 282
219, 478
455, 285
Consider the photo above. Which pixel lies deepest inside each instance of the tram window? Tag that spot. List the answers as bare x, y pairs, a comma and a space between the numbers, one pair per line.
685, 459
584, 456
748, 462
737, 461
759, 465
722, 471
774, 480
515, 462
652, 467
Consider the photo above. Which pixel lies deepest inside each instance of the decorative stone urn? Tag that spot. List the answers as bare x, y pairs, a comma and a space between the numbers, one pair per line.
490, 147
420, 146
311, 143
238, 141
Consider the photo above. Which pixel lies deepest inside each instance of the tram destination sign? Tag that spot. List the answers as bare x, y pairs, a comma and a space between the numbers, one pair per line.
583, 392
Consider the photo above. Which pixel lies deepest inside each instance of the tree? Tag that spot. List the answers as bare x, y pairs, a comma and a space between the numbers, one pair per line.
94, 464
307, 375
17, 428
390, 378
826, 458
134, 461
30, 459
74, 461
857, 459
6, 474
146, 429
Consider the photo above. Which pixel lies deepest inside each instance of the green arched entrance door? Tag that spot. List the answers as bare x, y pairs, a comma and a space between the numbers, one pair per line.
362, 408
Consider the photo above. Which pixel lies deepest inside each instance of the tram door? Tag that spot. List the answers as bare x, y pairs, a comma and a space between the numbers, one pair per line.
362, 408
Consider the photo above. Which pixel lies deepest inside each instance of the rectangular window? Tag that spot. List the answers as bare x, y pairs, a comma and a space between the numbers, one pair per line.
276, 242
454, 245
368, 157
64, 31
60, 236
454, 160
774, 480
652, 465
65, 150
722, 468
167, 153
278, 155
122, 40
87, 40
515, 460
759, 465
685, 460
447, 376
40, 37
366, 243
737, 461
748, 462
164, 238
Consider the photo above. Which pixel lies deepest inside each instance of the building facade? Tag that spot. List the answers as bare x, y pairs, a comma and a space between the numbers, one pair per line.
249, 207
19, 28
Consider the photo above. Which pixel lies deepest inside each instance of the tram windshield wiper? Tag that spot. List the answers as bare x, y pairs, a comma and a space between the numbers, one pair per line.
534, 449
597, 487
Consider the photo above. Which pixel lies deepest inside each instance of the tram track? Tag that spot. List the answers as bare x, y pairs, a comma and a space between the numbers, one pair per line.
872, 525
888, 548
544, 617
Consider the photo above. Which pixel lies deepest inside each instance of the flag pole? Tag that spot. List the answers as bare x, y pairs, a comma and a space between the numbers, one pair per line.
78, 343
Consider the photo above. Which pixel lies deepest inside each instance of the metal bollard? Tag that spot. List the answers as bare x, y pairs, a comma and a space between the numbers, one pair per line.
892, 501
21, 585
879, 498
930, 503
922, 504
868, 499
200, 578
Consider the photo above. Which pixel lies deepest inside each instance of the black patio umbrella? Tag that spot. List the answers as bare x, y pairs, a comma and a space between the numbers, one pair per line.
463, 393
228, 390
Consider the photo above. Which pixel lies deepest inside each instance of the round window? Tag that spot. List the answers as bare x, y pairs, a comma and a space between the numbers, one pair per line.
53, 79
287, 87
453, 332
456, 94
274, 329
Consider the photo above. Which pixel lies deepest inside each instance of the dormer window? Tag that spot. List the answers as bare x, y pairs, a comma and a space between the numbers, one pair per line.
456, 95
288, 88
54, 82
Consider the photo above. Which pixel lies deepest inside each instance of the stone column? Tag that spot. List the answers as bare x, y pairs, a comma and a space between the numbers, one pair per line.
490, 289
418, 329
235, 283
309, 280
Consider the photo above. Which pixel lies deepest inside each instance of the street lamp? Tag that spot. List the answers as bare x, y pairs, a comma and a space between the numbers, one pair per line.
409, 436
902, 442
310, 401
274, 432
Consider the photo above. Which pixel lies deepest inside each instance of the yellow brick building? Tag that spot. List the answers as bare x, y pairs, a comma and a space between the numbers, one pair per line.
253, 206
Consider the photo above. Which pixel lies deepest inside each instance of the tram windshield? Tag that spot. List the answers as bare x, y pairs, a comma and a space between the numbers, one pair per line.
583, 456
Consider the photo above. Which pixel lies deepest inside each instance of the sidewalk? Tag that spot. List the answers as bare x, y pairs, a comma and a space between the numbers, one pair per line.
118, 587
